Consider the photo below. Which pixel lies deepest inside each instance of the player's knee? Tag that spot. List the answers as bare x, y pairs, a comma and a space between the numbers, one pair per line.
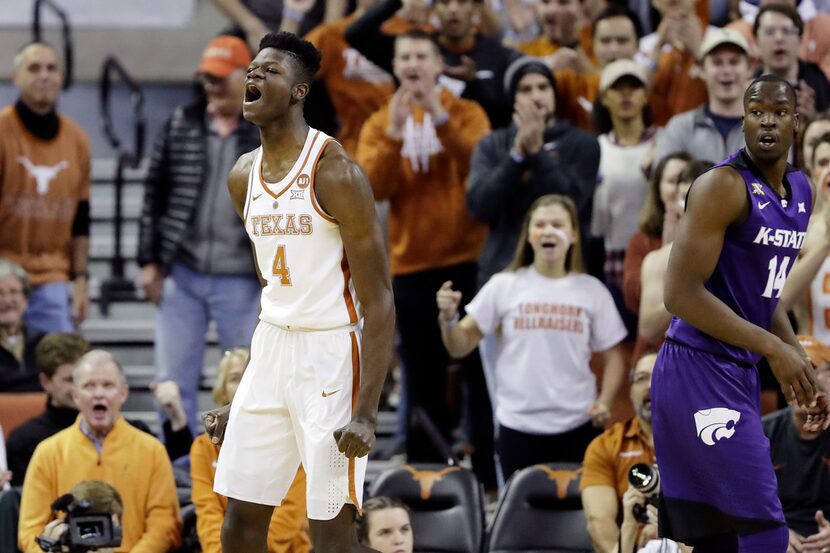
247, 515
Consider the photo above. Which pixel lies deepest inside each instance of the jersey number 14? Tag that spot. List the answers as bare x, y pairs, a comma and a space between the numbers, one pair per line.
777, 276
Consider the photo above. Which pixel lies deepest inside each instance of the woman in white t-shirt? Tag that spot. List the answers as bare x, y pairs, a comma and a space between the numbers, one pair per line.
548, 319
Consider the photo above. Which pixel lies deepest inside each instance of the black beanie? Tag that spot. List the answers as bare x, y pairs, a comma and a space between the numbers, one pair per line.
524, 66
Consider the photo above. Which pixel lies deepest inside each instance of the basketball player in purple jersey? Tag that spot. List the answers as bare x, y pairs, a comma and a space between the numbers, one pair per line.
323, 344
745, 222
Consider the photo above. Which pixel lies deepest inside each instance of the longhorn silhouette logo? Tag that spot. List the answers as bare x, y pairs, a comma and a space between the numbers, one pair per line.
43, 174
427, 478
562, 478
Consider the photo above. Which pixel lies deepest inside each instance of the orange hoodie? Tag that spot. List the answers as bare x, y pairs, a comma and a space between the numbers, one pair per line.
286, 533
357, 87
429, 225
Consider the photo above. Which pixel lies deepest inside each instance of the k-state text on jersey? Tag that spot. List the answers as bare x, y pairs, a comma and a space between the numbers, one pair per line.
782, 238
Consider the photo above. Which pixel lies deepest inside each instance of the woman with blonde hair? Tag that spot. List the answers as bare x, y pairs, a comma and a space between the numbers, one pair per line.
548, 319
287, 533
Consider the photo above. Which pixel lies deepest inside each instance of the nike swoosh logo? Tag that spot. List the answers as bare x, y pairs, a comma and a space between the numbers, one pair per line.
330, 393
762, 205
256, 197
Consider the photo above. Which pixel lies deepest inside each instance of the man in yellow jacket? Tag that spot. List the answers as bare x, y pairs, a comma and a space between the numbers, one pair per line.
101, 445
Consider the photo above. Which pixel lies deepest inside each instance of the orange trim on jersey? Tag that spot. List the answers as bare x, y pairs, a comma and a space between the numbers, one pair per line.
355, 390
317, 207
299, 171
347, 294
249, 192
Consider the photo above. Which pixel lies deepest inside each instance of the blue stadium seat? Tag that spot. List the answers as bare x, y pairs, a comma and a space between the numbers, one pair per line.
447, 505
541, 512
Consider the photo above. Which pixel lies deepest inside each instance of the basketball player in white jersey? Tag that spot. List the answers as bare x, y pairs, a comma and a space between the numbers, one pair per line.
323, 344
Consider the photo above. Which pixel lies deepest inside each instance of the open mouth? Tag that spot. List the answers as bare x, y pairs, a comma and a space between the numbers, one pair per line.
548, 245
767, 141
99, 409
252, 93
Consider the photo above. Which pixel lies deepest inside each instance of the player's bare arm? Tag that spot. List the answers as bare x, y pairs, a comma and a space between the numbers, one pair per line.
717, 200
238, 181
344, 192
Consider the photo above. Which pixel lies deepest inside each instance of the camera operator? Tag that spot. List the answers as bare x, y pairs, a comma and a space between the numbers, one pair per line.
638, 536
94, 508
609, 458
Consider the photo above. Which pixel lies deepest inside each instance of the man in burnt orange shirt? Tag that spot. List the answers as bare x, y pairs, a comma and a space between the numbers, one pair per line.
611, 455
44, 193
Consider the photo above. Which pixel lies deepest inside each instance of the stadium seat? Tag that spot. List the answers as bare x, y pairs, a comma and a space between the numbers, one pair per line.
447, 505
15, 409
541, 512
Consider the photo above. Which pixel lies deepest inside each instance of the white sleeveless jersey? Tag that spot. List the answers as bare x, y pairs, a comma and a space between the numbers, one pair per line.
820, 303
298, 247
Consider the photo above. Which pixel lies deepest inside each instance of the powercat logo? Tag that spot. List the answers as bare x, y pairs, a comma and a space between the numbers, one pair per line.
716, 424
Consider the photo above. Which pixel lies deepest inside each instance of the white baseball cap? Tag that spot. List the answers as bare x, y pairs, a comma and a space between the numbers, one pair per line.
719, 37
618, 69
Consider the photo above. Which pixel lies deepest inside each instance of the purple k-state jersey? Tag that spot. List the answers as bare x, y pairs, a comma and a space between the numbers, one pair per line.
756, 258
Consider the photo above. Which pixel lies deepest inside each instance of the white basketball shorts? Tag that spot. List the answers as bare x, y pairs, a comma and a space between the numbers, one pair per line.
298, 388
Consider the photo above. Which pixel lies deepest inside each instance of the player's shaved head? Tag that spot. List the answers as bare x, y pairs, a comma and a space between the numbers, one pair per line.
758, 87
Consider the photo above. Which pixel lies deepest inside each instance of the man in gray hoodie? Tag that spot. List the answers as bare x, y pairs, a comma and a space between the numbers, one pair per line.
536, 155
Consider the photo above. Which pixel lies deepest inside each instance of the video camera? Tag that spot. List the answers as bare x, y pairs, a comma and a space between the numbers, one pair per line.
644, 478
91, 519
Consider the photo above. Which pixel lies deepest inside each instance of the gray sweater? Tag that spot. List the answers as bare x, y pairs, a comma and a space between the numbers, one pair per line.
695, 132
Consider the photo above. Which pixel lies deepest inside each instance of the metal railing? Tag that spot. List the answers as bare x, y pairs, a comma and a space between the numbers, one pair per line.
68, 50
117, 287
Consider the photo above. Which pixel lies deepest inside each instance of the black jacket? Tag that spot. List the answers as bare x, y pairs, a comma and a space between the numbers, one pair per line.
490, 57
812, 74
25, 438
21, 377
501, 191
175, 179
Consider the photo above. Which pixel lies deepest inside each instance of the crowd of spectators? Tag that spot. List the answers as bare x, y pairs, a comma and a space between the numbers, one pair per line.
533, 158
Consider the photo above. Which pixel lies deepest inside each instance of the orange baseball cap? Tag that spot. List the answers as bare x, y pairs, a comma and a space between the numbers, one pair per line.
815, 350
224, 55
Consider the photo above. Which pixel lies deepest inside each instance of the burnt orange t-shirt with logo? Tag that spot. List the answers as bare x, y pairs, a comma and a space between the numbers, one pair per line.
611, 455
41, 182
357, 87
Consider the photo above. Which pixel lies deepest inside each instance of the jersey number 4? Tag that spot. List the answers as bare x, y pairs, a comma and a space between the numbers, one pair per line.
280, 268
777, 276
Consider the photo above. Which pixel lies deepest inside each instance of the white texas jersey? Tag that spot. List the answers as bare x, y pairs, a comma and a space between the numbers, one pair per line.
819, 303
298, 247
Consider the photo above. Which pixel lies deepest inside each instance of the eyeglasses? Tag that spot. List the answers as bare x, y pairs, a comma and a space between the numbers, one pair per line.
772, 31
